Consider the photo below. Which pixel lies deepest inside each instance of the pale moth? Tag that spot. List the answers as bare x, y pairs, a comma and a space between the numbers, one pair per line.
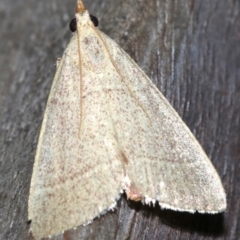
108, 129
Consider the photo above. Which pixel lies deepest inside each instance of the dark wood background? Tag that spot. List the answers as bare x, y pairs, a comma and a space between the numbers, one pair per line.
190, 50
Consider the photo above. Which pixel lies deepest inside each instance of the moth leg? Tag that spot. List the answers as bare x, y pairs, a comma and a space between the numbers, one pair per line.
58, 60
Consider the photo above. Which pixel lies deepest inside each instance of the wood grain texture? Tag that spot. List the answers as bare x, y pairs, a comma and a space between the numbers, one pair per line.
191, 51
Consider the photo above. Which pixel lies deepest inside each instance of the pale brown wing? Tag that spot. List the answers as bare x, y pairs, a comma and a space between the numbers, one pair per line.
75, 177
164, 161
121, 133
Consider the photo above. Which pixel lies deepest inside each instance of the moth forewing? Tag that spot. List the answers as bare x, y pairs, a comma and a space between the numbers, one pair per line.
106, 129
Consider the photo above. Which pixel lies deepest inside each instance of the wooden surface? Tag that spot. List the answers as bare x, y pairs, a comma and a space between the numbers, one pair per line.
191, 51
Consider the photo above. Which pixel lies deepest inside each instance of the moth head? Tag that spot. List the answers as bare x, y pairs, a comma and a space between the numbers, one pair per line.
80, 8
82, 17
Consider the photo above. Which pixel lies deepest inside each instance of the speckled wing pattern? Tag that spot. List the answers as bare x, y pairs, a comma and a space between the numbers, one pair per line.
130, 139
71, 176
164, 161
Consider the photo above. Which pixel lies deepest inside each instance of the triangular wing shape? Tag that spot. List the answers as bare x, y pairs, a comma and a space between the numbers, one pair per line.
107, 128
164, 160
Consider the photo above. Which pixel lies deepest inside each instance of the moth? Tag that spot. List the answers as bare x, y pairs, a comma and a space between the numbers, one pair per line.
107, 130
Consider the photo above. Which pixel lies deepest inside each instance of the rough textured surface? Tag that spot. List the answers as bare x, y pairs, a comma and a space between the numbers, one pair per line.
191, 51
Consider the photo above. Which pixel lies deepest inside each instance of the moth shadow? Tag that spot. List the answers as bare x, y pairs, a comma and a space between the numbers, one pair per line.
203, 224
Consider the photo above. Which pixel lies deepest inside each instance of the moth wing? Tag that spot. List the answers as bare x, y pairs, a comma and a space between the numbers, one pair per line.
163, 160
76, 175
